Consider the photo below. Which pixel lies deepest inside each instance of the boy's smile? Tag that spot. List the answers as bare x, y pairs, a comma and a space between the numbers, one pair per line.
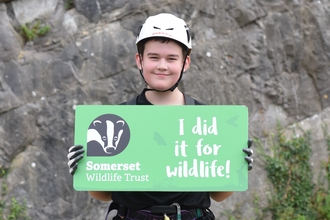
161, 64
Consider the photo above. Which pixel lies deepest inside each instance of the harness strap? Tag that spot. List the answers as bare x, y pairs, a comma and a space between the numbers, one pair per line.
145, 215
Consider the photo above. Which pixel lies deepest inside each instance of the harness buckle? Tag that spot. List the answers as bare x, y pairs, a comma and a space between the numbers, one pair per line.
178, 210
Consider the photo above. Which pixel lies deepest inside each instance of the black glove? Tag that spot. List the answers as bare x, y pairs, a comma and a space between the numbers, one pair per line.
249, 153
75, 154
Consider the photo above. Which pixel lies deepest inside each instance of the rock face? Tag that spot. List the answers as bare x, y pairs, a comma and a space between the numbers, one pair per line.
272, 56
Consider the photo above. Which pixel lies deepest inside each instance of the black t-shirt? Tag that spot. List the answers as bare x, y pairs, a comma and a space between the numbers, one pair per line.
144, 200
142, 100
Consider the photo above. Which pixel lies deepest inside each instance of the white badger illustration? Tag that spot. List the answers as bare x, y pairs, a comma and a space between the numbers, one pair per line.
109, 141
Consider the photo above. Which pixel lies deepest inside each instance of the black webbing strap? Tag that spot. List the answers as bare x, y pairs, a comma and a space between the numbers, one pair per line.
147, 215
187, 98
151, 214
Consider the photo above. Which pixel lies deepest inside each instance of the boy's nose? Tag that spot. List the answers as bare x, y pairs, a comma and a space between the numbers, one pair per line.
162, 65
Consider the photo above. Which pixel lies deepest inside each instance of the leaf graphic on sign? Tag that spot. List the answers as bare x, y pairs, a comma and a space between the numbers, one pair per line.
159, 139
165, 183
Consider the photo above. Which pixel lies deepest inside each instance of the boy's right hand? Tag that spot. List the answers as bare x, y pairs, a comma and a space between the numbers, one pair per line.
75, 154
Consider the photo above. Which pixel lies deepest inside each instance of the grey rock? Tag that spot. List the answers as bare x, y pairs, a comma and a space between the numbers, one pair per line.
272, 56
90, 8
27, 11
10, 41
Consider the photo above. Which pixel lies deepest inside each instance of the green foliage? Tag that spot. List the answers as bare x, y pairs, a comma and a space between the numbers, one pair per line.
321, 198
3, 172
17, 211
14, 211
2, 208
4, 189
290, 173
294, 195
257, 210
321, 203
68, 4
327, 163
34, 29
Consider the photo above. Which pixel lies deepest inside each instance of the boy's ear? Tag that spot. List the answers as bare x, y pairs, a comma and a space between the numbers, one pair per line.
187, 64
138, 60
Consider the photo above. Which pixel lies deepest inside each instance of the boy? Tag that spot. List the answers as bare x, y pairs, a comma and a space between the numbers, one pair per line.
164, 47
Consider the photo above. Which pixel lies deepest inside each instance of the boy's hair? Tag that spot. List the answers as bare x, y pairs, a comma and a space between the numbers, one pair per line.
142, 43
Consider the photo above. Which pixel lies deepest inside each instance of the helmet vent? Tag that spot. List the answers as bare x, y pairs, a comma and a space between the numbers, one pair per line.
188, 33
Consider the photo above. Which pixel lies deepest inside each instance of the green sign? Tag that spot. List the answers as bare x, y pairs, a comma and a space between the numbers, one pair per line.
161, 148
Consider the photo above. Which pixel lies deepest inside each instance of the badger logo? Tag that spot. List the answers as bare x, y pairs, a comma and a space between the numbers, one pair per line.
107, 135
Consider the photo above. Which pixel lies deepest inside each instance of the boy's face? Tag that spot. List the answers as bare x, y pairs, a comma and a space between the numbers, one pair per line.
161, 64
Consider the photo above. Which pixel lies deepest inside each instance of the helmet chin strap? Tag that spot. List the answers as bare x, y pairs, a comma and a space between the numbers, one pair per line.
170, 89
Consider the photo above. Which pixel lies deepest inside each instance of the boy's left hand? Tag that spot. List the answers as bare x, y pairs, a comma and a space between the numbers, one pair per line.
249, 153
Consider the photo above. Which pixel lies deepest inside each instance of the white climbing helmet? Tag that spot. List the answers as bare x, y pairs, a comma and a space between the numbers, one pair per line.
165, 25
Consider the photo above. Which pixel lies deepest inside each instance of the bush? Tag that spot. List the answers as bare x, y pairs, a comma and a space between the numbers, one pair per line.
294, 195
